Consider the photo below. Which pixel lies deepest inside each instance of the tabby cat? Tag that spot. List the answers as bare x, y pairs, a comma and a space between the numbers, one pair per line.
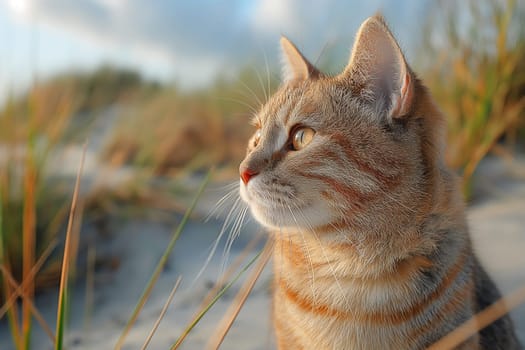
372, 249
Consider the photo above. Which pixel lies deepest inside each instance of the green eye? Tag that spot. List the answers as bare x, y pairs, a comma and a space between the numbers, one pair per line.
302, 137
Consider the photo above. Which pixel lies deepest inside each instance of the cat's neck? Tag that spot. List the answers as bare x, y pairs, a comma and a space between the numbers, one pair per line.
350, 255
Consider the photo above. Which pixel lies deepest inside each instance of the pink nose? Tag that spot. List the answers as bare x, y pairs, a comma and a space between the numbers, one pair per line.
247, 174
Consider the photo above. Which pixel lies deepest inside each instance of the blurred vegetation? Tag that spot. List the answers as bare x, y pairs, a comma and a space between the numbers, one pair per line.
107, 85
475, 68
174, 131
30, 129
34, 198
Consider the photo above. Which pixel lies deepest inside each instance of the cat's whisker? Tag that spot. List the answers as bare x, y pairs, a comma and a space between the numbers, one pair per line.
268, 81
243, 103
215, 244
300, 103
252, 92
215, 211
251, 96
234, 233
228, 186
261, 84
233, 223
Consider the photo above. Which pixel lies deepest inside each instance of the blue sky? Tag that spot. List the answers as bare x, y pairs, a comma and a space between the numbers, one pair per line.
187, 42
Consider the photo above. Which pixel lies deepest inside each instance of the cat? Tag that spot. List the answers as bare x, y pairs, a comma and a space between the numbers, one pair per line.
371, 248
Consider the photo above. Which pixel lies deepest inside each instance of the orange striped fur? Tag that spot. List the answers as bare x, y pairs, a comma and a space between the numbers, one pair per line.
372, 247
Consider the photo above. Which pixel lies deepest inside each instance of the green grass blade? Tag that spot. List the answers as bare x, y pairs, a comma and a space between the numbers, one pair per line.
213, 301
162, 262
11, 311
59, 344
238, 302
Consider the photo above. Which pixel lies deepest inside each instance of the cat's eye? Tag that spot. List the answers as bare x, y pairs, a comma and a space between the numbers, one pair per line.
256, 137
302, 137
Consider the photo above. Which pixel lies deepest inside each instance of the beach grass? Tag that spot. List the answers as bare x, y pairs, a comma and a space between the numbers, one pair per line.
27, 207
475, 70
68, 260
187, 131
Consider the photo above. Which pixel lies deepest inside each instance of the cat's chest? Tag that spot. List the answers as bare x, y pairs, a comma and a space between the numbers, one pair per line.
319, 304
321, 323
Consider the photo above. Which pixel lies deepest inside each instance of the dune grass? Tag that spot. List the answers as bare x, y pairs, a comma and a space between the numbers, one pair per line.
34, 201
27, 137
67, 262
475, 69
188, 131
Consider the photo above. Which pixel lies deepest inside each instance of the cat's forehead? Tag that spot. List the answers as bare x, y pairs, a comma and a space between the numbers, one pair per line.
292, 105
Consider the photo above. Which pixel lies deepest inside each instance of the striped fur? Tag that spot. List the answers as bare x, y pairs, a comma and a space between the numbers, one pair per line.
372, 247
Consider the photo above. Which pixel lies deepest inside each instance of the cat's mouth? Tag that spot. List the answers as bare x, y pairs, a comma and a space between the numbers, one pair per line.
269, 209
258, 194
279, 210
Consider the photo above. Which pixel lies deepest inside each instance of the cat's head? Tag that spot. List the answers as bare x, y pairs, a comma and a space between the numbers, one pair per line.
359, 148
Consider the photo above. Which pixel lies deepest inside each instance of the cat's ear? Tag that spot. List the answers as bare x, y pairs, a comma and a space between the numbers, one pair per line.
295, 67
377, 69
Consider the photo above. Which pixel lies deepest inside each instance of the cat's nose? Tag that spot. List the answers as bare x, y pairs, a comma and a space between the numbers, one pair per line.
247, 174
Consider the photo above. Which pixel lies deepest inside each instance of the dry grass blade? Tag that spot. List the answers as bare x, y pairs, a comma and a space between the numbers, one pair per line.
481, 320
230, 316
158, 269
161, 315
478, 80
29, 302
66, 260
29, 245
512, 115
18, 291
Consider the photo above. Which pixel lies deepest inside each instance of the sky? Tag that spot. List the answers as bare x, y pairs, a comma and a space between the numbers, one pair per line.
189, 43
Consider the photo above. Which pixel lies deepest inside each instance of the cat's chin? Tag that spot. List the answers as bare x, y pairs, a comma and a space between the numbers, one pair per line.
277, 216
271, 219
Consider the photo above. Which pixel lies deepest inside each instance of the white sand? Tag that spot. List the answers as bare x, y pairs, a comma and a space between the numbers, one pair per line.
497, 219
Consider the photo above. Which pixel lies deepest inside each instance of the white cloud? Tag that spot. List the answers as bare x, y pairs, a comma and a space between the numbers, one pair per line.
19, 7
204, 37
271, 14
